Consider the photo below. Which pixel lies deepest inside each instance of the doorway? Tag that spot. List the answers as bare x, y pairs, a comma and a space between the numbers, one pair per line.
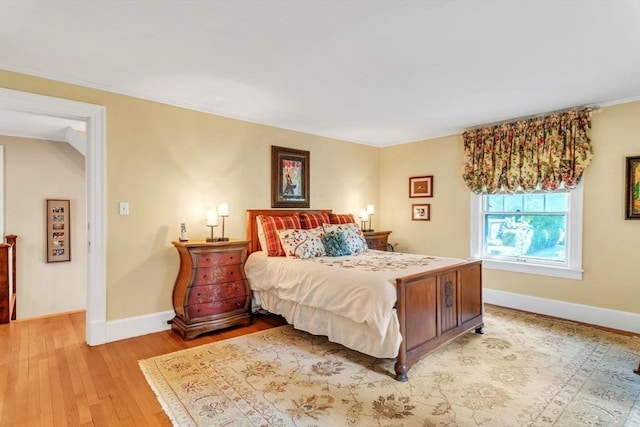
95, 118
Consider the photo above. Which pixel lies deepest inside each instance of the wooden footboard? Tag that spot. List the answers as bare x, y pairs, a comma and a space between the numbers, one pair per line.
436, 307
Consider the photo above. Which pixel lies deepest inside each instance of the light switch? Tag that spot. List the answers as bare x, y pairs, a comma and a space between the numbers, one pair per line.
124, 208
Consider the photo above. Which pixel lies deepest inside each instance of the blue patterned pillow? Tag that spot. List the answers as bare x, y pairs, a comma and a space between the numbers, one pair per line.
335, 244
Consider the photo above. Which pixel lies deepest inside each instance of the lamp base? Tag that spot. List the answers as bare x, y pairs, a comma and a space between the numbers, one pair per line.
216, 239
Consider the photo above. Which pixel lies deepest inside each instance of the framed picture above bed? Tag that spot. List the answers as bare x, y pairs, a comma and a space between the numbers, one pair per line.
289, 178
633, 188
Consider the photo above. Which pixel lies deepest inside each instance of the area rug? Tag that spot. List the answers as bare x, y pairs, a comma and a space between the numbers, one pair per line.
526, 370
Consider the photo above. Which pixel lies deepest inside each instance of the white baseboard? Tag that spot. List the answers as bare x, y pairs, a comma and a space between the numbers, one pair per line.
621, 320
624, 321
139, 325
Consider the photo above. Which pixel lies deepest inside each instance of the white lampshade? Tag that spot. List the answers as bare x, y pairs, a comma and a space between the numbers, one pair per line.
212, 216
362, 213
370, 209
223, 209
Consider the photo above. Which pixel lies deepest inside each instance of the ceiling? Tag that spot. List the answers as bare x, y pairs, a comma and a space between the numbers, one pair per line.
29, 125
377, 72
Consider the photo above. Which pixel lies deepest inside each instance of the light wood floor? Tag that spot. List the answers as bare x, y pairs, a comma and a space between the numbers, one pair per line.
50, 377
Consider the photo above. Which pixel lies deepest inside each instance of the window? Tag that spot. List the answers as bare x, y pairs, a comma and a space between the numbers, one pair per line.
538, 233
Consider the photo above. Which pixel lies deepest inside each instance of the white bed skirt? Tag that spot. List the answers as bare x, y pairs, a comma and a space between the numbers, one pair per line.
357, 336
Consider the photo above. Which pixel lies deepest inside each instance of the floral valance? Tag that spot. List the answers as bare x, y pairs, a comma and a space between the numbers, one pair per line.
540, 153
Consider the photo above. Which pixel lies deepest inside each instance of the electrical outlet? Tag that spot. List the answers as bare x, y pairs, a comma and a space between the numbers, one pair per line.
166, 323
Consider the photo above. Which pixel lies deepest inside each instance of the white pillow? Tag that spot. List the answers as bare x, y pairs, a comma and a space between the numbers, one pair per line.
261, 237
353, 235
298, 243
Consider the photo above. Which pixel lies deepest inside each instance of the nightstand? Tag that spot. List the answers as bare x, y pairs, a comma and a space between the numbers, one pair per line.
211, 291
377, 239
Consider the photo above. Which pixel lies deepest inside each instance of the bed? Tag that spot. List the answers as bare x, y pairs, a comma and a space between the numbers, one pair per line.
435, 299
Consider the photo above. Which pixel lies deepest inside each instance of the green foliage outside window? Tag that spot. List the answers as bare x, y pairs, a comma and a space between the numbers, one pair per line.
529, 234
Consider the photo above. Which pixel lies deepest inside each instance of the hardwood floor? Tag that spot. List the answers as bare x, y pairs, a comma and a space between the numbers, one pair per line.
50, 377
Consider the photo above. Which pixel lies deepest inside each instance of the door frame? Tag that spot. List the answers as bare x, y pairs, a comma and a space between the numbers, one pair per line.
96, 168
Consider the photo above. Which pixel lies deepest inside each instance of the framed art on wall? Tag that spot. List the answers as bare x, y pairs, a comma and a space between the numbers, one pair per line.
289, 178
633, 188
58, 230
421, 212
421, 186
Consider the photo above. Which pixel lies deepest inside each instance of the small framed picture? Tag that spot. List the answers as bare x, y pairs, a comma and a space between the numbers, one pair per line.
633, 188
58, 243
421, 186
421, 212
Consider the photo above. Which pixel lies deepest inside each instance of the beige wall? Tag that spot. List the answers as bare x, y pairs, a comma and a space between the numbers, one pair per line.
34, 171
169, 163
611, 253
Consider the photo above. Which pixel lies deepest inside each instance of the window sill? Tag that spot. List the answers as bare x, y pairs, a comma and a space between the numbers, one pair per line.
540, 269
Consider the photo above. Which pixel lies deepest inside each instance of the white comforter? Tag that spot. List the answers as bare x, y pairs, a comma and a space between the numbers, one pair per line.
358, 287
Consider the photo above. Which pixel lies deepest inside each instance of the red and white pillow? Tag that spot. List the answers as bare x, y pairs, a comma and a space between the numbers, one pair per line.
300, 243
313, 219
270, 241
341, 219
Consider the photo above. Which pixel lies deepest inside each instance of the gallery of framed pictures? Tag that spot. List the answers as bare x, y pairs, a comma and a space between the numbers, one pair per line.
58, 214
633, 188
289, 178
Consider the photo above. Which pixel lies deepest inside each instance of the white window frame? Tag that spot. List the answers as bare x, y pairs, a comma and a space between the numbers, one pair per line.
573, 267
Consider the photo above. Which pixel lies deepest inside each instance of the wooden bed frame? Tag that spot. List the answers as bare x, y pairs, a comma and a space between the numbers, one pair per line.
432, 307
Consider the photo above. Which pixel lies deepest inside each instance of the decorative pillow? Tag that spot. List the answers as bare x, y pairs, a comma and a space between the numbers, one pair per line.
341, 219
270, 227
261, 238
353, 235
335, 244
299, 243
312, 220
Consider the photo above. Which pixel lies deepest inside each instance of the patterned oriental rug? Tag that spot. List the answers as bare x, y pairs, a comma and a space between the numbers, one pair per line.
526, 370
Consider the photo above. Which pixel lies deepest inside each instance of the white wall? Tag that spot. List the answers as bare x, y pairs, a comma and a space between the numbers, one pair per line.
34, 171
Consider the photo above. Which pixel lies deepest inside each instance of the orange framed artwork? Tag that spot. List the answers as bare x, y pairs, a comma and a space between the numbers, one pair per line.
58, 230
421, 186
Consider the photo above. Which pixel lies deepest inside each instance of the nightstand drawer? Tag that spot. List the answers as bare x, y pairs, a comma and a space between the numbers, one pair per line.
378, 243
216, 307
222, 291
212, 259
377, 239
211, 275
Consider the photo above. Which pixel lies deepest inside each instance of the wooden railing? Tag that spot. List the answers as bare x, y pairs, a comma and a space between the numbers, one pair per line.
8, 279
